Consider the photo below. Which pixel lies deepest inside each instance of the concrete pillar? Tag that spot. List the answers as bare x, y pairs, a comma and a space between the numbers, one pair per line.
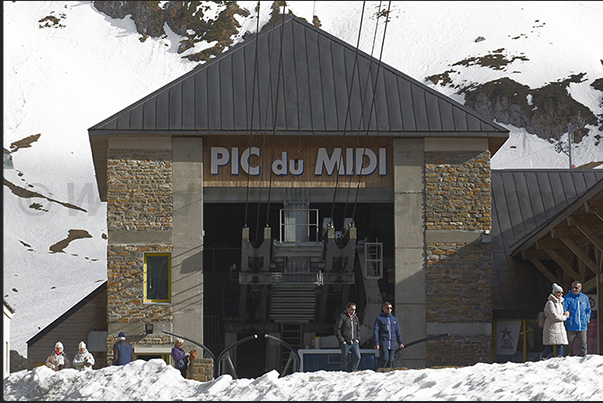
187, 238
409, 306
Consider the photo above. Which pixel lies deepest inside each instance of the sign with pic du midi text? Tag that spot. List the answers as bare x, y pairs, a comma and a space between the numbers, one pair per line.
291, 161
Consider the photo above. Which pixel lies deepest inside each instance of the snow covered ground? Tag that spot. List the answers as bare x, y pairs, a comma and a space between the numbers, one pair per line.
557, 379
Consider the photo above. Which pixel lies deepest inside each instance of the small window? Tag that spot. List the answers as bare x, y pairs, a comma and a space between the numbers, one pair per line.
157, 275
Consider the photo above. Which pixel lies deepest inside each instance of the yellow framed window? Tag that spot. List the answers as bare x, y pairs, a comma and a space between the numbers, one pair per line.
157, 277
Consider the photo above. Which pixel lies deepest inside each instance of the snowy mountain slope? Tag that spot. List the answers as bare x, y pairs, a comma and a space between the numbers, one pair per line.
62, 79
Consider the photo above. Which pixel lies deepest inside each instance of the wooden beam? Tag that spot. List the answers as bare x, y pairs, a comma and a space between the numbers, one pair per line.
586, 220
591, 285
581, 255
590, 207
534, 254
598, 242
544, 270
564, 265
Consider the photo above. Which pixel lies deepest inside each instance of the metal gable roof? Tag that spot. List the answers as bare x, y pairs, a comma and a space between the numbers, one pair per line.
526, 205
308, 93
526, 200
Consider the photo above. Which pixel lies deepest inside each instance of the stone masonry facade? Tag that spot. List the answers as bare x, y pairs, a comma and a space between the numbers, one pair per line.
458, 274
139, 198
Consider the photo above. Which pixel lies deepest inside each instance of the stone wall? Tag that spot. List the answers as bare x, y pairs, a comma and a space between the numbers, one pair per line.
459, 273
139, 201
457, 191
139, 190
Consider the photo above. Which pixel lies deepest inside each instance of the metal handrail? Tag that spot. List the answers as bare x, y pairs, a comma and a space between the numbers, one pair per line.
253, 336
296, 356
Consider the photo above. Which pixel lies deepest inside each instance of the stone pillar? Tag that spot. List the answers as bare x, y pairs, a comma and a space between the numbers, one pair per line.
139, 221
201, 369
458, 256
409, 305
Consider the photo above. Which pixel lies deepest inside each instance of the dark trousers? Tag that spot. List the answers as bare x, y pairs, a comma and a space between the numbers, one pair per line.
386, 357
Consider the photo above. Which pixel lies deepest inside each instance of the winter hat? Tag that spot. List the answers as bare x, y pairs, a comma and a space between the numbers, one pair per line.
556, 288
121, 334
58, 346
82, 345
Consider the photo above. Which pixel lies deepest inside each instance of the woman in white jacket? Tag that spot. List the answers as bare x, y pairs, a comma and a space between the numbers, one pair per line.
553, 331
58, 359
83, 359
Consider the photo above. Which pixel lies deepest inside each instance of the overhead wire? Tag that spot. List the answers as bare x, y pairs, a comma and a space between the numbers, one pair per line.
255, 64
366, 85
372, 102
278, 81
331, 222
264, 131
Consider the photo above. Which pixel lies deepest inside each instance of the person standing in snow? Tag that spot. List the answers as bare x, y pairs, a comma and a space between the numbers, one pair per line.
553, 331
347, 332
387, 336
576, 325
83, 360
122, 351
180, 357
58, 359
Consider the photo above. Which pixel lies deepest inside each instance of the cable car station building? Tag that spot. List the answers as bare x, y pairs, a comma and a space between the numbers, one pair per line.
266, 188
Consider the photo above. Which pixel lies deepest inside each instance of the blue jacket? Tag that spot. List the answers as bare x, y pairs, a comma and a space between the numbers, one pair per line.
123, 350
180, 358
579, 308
386, 332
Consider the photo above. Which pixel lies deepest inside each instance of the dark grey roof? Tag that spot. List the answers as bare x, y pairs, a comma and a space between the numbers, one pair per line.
525, 202
313, 90
101, 288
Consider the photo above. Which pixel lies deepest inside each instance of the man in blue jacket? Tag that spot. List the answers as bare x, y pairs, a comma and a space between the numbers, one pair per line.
577, 324
387, 336
122, 351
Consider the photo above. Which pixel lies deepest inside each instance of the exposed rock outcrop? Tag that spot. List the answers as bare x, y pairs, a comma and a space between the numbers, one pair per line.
544, 111
186, 18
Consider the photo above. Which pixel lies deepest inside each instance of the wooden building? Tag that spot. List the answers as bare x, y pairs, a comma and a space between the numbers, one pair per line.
86, 321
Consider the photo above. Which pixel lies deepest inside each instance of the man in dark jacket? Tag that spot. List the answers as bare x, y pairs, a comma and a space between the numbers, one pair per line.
576, 324
347, 332
122, 350
387, 336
